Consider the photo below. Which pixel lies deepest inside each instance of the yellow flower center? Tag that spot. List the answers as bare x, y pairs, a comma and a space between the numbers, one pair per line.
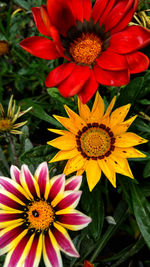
95, 141
86, 48
40, 215
5, 124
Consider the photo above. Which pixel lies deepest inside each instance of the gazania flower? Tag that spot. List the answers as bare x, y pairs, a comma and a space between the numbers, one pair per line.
96, 142
34, 212
7, 122
97, 44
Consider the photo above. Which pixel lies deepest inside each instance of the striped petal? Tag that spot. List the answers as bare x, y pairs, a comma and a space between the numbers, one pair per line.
51, 253
17, 255
15, 173
9, 201
10, 236
8, 218
74, 164
42, 177
129, 139
34, 255
75, 220
70, 200
14, 188
57, 189
64, 241
109, 173
73, 183
28, 182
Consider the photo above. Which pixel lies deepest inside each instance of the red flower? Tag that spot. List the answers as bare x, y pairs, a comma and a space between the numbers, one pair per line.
88, 264
97, 44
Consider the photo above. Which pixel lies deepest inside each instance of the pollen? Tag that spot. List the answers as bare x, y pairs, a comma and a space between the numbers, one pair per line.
5, 125
86, 49
40, 215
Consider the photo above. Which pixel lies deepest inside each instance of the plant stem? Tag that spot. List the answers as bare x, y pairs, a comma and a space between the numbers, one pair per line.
13, 150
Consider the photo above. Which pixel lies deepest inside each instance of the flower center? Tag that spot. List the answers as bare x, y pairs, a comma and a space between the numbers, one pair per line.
86, 48
5, 124
95, 141
40, 215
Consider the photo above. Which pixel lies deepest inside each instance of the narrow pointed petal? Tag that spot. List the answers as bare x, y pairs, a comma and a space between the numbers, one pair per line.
40, 47
88, 89
65, 142
119, 114
131, 39
10, 236
128, 152
15, 173
29, 183
110, 107
129, 139
17, 255
57, 189
87, 8
65, 154
34, 255
8, 218
84, 110
14, 188
8, 200
121, 165
75, 220
93, 173
111, 78
67, 123
76, 119
77, 10
64, 241
51, 253
137, 62
101, 9
109, 173
61, 132
74, 164
73, 183
36, 11
59, 74
61, 15
98, 108
70, 200
123, 127
42, 177
109, 60
75, 82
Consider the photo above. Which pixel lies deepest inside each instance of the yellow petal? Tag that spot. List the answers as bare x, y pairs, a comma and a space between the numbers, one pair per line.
25, 251
128, 152
110, 107
93, 173
74, 164
106, 169
67, 123
129, 139
61, 132
65, 142
119, 114
98, 108
75, 118
122, 127
80, 172
84, 110
65, 154
121, 165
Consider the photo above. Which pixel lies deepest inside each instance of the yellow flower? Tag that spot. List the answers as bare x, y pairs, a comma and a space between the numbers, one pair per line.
97, 142
7, 122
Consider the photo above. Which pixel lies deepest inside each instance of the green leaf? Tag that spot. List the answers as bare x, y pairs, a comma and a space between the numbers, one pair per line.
146, 172
22, 3
141, 209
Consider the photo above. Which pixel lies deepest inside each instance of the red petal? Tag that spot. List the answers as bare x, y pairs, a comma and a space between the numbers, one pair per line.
61, 15
137, 62
77, 9
86, 9
39, 21
89, 88
118, 12
108, 8
59, 74
126, 18
55, 36
112, 61
30, 258
130, 40
40, 47
8, 237
5, 200
111, 78
73, 84
98, 9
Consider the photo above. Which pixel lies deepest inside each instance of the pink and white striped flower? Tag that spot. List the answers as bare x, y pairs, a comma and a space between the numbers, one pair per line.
34, 212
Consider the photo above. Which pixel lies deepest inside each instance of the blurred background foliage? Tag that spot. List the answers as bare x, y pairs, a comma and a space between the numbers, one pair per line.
119, 234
